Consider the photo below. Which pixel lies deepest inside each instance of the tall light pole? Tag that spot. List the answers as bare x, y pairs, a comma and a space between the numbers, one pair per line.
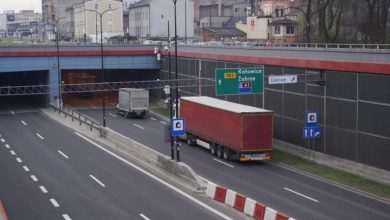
101, 53
57, 30
177, 85
170, 91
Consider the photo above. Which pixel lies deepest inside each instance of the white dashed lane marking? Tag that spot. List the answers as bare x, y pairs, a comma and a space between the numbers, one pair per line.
34, 178
64, 155
19, 160
98, 181
43, 189
26, 168
24, 123
139, 126
66, 217
40, 136
55, 203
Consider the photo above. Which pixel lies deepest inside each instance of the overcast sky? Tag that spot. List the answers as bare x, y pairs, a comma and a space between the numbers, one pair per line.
17, 5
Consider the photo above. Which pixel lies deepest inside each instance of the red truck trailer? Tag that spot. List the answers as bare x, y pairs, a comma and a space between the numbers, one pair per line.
229, 130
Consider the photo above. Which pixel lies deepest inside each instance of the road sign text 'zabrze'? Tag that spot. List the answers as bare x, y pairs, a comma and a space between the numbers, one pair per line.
239, 81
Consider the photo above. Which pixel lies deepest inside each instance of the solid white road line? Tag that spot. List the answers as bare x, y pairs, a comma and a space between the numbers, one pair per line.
2, 140
184, 194
153, 118
98, 181
64, 155
34, 178
300, 194
12, 152
113, 115
55, 203
7, 146
40, 136
19, 160
26, 168
43, 189
163, 122
24, 123
223, 163
66, 217
144, 217
12, 112
139, 126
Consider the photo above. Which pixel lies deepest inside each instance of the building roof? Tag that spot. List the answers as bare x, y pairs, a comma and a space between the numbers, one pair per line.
231, 23
226, 32
284, 21
225, 105
140, 4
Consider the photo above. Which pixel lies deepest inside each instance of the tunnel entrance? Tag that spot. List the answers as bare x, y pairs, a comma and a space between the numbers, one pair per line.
23, 102
95, 99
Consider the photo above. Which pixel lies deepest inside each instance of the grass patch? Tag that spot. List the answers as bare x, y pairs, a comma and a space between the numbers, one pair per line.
332, 174
162, 111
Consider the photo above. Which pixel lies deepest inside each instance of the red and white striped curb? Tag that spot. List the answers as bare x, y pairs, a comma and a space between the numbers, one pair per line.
243, 204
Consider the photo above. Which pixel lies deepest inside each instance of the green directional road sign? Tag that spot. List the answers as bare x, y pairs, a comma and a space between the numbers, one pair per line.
239, 81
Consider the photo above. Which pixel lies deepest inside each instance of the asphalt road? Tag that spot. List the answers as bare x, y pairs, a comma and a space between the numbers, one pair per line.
50, 172
290, 192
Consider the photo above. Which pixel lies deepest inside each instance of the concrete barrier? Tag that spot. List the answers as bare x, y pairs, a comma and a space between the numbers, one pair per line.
152, 157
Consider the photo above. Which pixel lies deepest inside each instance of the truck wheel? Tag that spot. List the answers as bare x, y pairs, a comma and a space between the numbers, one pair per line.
190, 140
213, 149
219, 151
226, 154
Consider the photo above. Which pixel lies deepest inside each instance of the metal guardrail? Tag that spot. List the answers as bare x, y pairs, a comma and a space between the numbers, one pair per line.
242, 45
82, 119
296, 46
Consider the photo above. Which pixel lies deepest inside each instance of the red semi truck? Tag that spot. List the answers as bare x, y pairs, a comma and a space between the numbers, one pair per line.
229, 130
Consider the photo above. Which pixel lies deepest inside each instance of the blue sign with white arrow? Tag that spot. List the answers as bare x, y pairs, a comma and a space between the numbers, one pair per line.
311, 132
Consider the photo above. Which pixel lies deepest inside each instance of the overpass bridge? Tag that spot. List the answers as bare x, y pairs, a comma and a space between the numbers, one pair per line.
349, 87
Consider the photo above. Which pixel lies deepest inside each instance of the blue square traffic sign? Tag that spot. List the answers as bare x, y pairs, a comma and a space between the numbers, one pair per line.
177, 127
311, 132
311, 119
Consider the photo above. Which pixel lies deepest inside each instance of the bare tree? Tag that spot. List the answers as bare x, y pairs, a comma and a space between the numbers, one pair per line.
331, 17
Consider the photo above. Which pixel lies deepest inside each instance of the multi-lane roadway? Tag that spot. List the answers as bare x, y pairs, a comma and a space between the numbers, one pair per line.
50, 172
288, 191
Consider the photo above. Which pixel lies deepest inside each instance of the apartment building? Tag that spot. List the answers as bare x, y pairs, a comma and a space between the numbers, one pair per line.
87, 23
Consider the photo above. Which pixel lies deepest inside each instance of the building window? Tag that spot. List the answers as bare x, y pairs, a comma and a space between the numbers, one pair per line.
96, 6
277, 29
109, 6
290, 29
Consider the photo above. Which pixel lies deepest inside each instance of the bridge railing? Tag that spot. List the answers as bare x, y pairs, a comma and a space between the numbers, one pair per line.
81, 118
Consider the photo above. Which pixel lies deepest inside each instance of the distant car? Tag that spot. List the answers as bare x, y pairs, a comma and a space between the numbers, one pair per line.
147, 42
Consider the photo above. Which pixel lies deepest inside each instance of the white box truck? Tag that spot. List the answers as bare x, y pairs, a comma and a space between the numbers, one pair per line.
133, 102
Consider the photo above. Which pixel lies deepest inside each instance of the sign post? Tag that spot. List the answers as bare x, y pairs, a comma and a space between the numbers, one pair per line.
239, 81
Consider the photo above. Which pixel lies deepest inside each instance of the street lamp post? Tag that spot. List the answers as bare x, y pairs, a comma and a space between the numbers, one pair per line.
170, 91
57, 30
102, 60
177, 85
